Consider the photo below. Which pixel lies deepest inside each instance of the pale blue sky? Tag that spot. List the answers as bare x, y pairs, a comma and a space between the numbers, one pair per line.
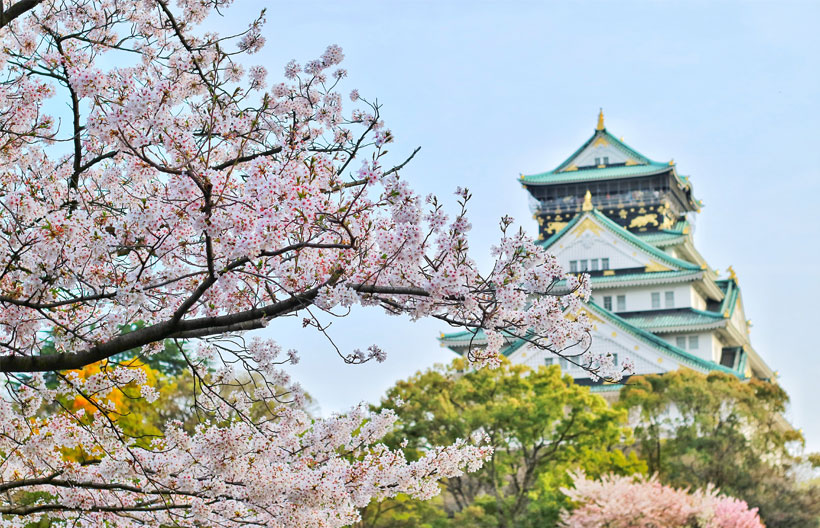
489, 90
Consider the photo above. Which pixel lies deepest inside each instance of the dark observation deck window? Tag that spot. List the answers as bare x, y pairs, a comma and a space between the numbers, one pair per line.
727, 357
610, 193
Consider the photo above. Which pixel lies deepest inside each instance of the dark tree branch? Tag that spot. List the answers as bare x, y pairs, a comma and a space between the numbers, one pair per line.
15, 10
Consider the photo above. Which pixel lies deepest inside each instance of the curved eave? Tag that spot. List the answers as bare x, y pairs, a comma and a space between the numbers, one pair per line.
652, 250
661, 329
665, 238
648, 279
596, 174
681, 356
677, 320
669, 242
644, 279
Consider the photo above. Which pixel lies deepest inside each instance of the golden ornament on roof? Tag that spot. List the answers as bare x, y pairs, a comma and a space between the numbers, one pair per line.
587, 202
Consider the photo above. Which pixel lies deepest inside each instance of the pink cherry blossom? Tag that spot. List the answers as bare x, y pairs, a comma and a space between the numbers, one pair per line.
177, 192
639, 502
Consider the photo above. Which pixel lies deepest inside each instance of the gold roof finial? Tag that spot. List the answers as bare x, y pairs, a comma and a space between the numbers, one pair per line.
587, 202
600, 120
732, 274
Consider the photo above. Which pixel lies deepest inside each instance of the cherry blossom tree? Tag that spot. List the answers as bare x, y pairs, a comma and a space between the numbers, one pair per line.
149, 174
639, 502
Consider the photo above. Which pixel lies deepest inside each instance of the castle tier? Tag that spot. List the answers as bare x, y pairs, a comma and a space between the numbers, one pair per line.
610, 211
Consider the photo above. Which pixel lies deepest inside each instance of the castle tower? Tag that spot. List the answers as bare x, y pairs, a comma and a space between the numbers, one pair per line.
625, 219
634, 191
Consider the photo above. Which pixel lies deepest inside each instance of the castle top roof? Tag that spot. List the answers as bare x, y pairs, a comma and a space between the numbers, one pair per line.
603, 156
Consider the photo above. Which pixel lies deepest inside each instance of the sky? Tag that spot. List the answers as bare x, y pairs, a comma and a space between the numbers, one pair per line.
489, 90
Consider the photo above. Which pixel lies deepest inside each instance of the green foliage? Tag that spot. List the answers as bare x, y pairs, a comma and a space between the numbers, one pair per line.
539, 423
696, 429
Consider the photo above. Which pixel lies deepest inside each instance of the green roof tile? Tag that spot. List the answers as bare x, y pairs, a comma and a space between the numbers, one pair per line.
643, 278
684, 357
730, 299
592, 174
666, 237
644, 167
653, 277
681, 355
679, 319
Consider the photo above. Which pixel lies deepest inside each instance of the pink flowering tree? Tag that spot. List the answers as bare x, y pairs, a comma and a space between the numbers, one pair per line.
639, 502
148, 174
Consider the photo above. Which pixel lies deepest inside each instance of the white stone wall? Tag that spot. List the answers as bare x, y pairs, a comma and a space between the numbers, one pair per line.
639, 298
709, 346
583, 243
606, 339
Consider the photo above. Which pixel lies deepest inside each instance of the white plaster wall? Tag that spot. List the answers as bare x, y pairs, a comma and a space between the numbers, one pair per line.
606, 339
738, 319
639, 298
695, 300
717, 347
605, 245
709, 346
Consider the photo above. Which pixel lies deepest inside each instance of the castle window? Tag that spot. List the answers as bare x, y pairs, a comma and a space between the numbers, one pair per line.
656, 300
549, 361
622, 303
604, 263
615, 359
680, 342
608, 302
727, 357
584, 265
573, 266
597, 161
693, 342
670, 299
593, 265
606, 160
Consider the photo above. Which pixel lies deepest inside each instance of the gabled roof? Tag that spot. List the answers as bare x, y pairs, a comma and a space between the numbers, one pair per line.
456, 340
630, 162
601, 134
625, 235
678, 354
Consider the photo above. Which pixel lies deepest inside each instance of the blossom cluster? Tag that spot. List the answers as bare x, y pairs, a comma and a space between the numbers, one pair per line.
180, 192
639, 502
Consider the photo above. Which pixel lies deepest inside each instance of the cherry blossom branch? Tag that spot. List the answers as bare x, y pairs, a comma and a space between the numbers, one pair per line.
15, 10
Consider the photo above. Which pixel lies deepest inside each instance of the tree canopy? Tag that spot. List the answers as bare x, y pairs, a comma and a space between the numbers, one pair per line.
696, 430
151, 173
539, 424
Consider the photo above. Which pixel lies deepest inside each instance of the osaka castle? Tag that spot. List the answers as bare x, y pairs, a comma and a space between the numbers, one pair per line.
627, 221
